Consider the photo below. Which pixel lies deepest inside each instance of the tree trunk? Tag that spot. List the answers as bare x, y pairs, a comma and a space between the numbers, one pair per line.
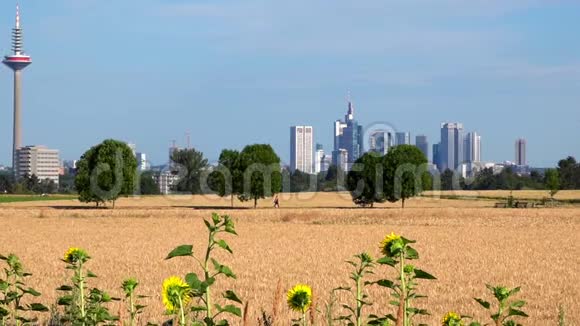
232, 200
255, 202
113, 204
403, 202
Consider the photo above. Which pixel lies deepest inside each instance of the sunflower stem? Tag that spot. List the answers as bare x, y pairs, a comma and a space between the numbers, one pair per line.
358, 301
132, 309
81, 291
404, 288
181, 313
207, 275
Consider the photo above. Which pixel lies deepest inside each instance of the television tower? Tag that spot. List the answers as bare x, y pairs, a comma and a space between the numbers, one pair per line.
17, 62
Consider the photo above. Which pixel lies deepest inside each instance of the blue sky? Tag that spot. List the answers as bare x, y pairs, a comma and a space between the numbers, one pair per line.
239, 72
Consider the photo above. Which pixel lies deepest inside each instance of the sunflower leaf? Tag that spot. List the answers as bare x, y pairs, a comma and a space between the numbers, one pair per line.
224, 245
421, 274
231, 295
38, 307
183, 250
230, 309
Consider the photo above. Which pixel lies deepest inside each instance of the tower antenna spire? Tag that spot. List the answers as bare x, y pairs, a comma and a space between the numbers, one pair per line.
17, 15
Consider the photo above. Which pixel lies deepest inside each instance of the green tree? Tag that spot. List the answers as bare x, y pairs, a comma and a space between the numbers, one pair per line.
569, 172
105, 172
552, 182
300, 181
226, 180
447, 180
66, 184
405, 169
365, 180
6, 183
47, 186
191, 164
262, 175
148, 183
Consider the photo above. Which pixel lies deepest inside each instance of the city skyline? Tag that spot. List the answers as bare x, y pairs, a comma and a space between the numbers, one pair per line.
524, 83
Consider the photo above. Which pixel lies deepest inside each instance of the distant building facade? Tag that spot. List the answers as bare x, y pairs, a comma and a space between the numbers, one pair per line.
348, 135
142, 162
40, 161
472, 148
423, 144
321, 160
521, 158
301, 145
451, 153
343, 161
402, 138
166, 180
436, 157
381, 141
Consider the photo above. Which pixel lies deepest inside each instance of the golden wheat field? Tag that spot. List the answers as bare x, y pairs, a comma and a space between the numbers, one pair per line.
466, 244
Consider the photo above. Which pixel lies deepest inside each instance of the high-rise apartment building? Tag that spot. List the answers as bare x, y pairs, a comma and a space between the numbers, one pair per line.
451, 146
40, 161
343, 160
142, 162
402, 138
423, 144
436, 157
348, 135
521, 158
319, 159
380, 141
301, 145
472, 148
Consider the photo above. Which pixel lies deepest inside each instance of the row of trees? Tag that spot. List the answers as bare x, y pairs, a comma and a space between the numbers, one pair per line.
109, 170
27, 185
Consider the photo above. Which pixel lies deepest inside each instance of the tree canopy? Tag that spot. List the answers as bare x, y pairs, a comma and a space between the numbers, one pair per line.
406, 173
262, 175
365, 180
190, 165
227, 178
148, 183
552, 181
105, 172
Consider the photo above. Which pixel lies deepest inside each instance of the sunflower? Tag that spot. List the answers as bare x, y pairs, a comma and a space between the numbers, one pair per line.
174, 291
451, 319
74, 255
299, 298
388, 242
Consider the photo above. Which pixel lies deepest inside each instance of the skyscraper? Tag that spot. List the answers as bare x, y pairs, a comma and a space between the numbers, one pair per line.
142, 162
348, 135
436, 157
451, 147
472, 148
402, 138
422, 143
319, 159
521, 159
17, 61
380, 141
301, 141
